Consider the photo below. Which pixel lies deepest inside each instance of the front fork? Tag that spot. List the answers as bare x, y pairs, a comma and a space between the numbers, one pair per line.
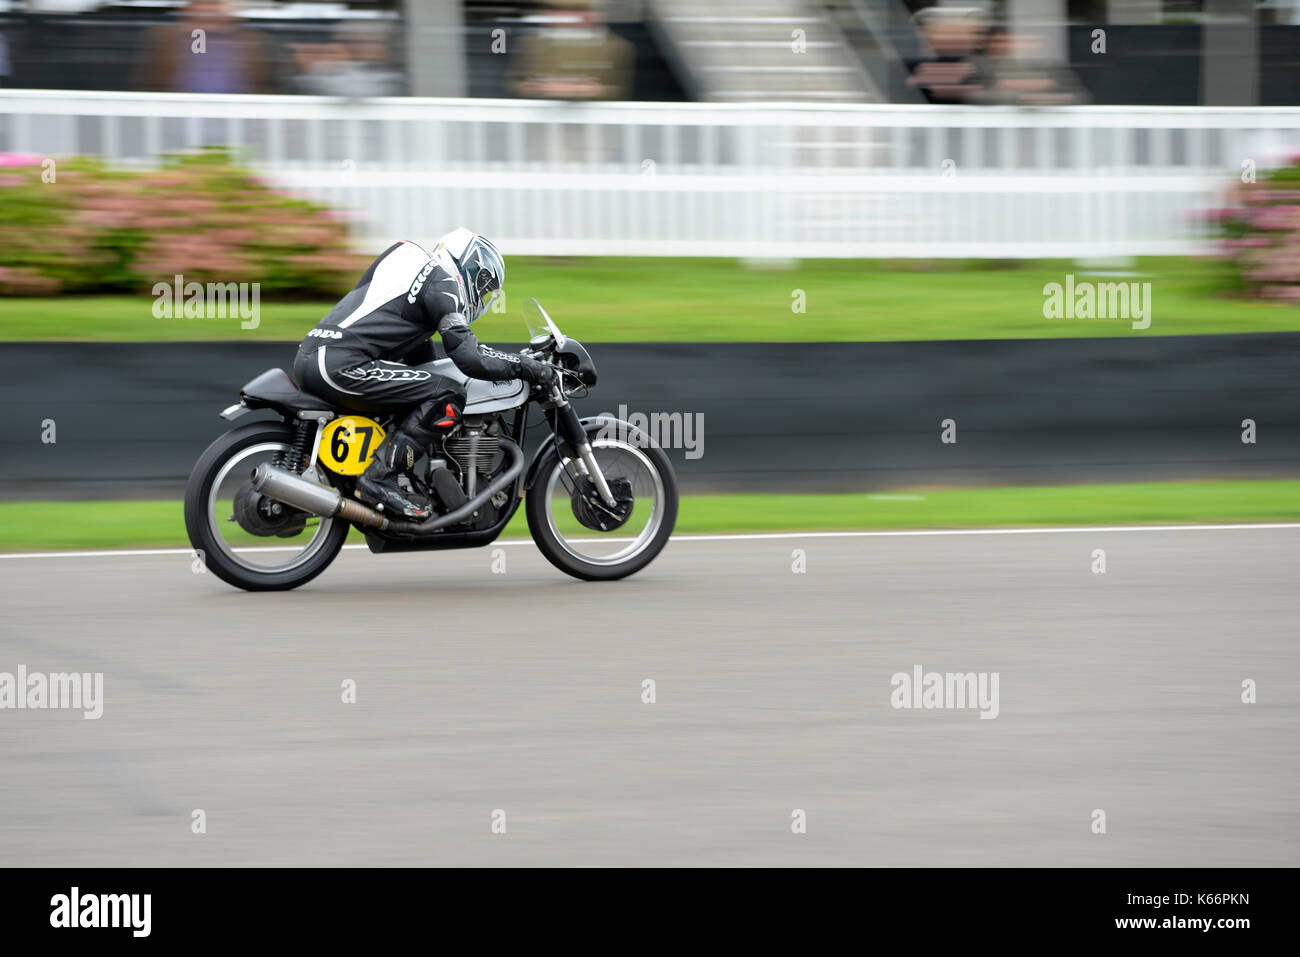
569, 429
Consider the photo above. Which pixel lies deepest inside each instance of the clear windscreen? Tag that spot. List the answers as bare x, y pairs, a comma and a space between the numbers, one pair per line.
540, 326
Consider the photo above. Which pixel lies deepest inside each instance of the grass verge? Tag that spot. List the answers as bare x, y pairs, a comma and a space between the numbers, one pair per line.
721, 300
40, 526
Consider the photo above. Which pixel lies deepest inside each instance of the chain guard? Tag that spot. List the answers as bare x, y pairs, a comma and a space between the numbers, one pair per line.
592, 512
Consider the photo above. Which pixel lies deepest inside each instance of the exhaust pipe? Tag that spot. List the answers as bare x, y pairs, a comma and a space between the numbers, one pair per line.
284, 486
314, 499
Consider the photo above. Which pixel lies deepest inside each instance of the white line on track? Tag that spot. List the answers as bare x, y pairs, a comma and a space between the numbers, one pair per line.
740, 537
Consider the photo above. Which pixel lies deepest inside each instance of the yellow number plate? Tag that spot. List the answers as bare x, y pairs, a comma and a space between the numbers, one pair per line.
348, 444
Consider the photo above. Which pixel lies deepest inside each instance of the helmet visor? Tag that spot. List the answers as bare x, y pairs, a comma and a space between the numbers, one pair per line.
484, 270
487, 304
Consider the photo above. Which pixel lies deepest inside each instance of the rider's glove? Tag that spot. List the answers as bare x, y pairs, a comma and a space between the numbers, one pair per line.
538, 373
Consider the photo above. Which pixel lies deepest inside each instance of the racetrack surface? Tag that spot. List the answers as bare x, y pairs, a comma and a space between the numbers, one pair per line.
522, 692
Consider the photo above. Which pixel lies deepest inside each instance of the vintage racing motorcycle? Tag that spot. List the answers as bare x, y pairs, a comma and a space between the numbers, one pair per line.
269, 503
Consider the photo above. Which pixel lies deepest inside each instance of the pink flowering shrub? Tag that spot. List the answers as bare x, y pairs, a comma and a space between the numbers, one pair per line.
100, 230
1260, 233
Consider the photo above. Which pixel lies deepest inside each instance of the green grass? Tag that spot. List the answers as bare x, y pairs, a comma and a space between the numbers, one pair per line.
38, 526
721, 300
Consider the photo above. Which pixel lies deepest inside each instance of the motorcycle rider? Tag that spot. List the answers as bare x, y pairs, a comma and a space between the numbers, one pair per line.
373, 352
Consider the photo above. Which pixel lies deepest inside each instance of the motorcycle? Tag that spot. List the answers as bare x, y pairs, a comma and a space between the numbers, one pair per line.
269, 503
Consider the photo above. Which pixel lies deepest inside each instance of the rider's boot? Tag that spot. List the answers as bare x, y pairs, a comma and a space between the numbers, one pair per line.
399, 452
378, 483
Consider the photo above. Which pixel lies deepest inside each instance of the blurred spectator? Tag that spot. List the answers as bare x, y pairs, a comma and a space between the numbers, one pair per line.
357, 63
205, 51
4, 58
1015, 73
970, 65
575, 56
948, 74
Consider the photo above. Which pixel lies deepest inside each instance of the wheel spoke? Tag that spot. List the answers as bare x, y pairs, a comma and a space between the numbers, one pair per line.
264, 541
617, 459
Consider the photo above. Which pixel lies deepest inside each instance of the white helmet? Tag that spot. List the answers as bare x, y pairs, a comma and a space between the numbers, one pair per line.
481, 268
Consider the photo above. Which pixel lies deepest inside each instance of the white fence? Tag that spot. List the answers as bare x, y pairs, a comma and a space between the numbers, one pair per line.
705, 179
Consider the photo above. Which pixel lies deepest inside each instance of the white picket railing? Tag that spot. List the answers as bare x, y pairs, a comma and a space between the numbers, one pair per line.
692, 179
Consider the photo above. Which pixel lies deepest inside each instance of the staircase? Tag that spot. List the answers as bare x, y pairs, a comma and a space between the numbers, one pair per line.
761, 51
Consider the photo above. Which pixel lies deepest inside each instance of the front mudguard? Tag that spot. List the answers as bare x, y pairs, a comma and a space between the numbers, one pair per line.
592, 425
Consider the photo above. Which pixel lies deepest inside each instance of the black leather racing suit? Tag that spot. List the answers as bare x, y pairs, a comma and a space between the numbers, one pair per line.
373, 352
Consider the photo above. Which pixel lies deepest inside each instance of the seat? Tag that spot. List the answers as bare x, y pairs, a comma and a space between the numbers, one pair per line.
274, 389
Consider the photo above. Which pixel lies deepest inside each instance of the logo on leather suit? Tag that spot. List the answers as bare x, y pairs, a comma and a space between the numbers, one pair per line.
418, 284
382, 374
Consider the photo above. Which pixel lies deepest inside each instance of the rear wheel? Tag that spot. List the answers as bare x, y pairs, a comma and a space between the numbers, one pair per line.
568, 533
246, 539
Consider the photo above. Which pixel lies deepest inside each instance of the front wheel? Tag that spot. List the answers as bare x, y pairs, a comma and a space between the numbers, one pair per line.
247, 539
564, 529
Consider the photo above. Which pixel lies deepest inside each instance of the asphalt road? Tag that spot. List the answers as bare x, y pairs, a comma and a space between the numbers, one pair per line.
523, 692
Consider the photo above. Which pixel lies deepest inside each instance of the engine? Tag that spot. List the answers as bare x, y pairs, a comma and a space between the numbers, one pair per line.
472, 451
